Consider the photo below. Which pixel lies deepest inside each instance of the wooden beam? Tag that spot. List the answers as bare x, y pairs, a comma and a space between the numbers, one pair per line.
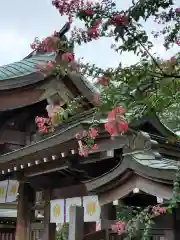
8, 205
44, 182
63, 163
78, 190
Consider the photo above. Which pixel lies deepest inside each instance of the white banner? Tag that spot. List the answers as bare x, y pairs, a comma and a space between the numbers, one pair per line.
91, 209
57, 211
12, 191
72, 202
3, 191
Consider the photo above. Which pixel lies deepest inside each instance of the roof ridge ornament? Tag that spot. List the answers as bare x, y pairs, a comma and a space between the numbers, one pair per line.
64, 29
60, 34
141, 142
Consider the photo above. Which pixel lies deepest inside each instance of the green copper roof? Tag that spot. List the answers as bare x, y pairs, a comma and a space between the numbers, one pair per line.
25, 66
149, 161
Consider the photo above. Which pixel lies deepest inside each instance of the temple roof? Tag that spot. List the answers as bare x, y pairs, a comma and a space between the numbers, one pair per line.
24, 67
149, 161
22, 73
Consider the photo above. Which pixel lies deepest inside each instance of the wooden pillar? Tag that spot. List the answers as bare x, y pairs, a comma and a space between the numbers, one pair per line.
76, 223
23, 213
108, 213
176, 218
169, 235
49, 232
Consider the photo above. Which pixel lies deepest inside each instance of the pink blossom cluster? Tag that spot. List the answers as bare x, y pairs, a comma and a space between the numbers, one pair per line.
78, 8
157, 210
86, 141
47, 67
118, 227
178, 42
119, 20
43, 124
68, 58
116, 122
93, 32
49, 44
71, 8
177, 10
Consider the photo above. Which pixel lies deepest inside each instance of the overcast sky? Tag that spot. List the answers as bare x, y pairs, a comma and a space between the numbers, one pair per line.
22, 20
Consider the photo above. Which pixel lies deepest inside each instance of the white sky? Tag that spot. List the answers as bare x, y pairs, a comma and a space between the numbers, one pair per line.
21, 21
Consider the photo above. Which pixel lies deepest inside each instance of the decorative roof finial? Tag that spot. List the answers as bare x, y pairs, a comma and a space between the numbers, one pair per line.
64, 30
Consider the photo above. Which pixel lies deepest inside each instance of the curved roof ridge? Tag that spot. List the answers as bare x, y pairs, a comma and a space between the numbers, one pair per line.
163, 124
24, 67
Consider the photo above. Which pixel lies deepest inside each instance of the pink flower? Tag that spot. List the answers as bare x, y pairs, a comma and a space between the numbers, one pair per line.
162, 210
93, 32
178, 42
118, 227
89, 12
50, 44
93, 132
116, 122
84, 151
95, 147
33, 46
119, 20
116, 113
43, 129
43, 124
157, 210
50, 65
38, 119
177, 10
120, 110
122, 126
67, 57
111, 129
